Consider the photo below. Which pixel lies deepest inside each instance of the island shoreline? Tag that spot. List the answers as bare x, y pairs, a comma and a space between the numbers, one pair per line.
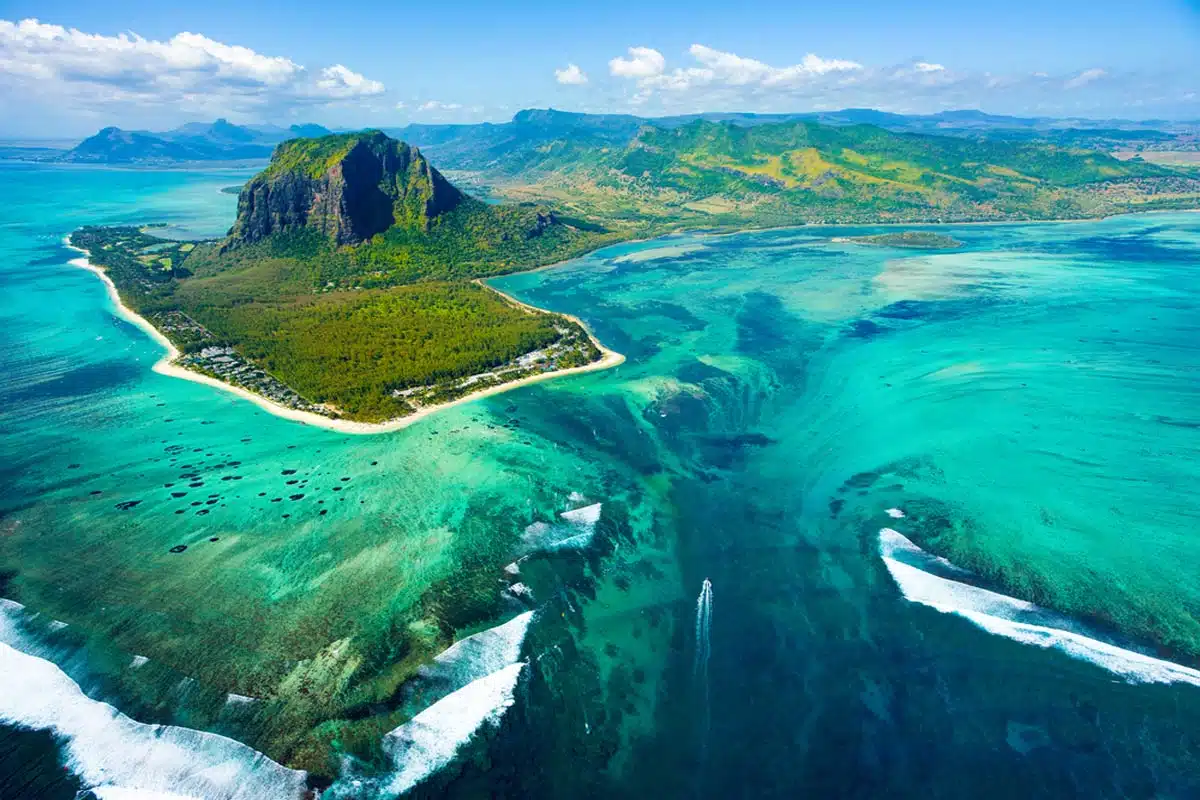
167, 366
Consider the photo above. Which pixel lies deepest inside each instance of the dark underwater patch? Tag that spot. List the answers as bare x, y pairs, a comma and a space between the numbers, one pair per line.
696, 371
1138, 247
79, 382
865, 329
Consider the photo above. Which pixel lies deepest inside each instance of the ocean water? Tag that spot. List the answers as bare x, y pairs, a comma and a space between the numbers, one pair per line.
698, 531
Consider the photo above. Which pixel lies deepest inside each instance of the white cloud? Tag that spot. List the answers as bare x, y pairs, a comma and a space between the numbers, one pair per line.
643, 62
188, 72
571, 76
1084, 78
717, 68
438, 105
720, 80
338, 81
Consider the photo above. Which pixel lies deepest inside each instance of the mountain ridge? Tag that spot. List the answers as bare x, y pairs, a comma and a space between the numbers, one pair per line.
469, 145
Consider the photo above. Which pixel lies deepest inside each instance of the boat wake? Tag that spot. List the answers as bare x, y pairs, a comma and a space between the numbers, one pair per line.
700, 661
935, 582
703, 628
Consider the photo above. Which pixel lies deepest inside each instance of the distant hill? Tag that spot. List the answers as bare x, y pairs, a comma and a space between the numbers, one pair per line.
764, 171
196, 141
510, 147
538, 141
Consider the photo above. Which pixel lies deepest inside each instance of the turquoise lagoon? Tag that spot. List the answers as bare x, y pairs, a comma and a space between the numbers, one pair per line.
1026, 409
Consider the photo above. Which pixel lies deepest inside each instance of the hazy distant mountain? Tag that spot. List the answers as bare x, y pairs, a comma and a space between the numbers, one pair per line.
544, 136
195, 141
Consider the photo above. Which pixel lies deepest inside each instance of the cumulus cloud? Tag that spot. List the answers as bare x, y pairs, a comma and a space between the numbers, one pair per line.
715, 79
438, 105
338, 81
572, 75
189, 71
716, 68
1084, 78
643, 62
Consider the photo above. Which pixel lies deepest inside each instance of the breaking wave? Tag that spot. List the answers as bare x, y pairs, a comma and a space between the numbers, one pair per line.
478, 656
914, 572
121, 758
467, 686
430, 740
575, 532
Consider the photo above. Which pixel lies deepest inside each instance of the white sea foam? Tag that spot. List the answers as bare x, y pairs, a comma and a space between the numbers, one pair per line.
481, 654
473, 682
431, 739
588, 515
521, 590
895, 545
575, 532
1019, 620
107, 749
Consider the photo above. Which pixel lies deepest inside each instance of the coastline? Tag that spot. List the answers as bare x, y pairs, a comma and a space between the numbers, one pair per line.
167, 366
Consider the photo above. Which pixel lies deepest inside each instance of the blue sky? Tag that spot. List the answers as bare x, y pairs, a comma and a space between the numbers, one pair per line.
133, 63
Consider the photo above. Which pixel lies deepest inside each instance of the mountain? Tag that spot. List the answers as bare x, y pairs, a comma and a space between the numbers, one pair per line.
196, 141
309, 131
531, 137
348, 187
115, 146
544, 139
512, 147
706, 173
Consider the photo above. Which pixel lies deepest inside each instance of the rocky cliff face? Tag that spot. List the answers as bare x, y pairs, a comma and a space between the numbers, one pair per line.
349, 187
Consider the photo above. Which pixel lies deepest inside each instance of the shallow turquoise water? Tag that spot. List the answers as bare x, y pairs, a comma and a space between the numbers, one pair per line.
1029, 402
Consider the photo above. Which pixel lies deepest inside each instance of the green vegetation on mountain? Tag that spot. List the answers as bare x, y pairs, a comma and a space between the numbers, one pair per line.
345, 285
719, 173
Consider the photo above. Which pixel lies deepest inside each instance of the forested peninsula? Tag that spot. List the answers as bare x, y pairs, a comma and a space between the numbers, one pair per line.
346, 288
